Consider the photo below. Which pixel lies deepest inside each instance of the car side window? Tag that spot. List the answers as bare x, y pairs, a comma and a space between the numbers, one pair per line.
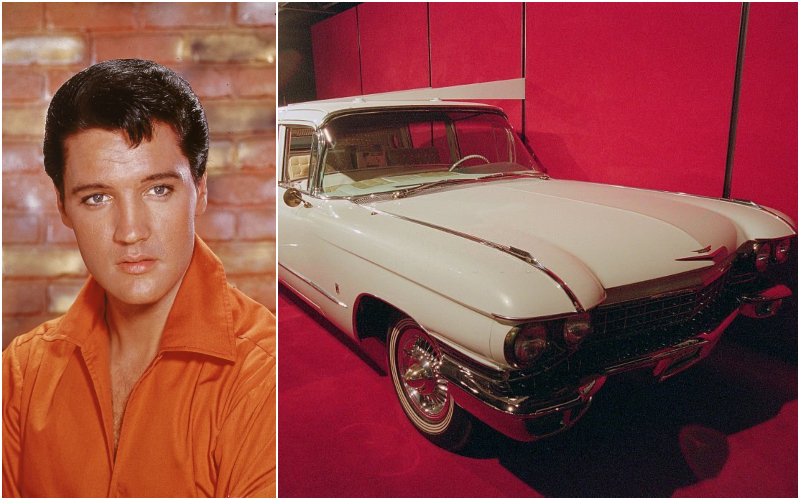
297, 157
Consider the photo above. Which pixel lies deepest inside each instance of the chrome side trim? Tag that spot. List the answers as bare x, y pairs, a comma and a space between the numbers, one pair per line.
314, 285
517, 319
514, 252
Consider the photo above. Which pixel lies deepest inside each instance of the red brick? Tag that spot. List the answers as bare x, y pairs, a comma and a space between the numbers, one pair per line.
31, 192
57, 232
22, 85
56, 78
15, 326
255, 82
216, 224
22, 157
186, 14
239, 189
42, 261
258, 152
61, 294
44, 49
255, 13
257, 258
220, 155
24, 120
23, 297
22, 16
262, 289
20, 227
162, 48
231, 47
90, 16
257, 224
209, 82
240, 116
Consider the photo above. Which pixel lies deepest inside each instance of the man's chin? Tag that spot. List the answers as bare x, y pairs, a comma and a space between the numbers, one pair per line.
137, 292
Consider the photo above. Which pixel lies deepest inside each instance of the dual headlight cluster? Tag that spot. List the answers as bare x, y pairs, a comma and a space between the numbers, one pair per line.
526, 343
767, 252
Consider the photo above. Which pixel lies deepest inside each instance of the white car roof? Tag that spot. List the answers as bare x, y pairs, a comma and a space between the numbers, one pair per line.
316, 111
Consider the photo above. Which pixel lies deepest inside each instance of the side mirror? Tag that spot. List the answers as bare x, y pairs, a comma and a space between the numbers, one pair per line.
293, 198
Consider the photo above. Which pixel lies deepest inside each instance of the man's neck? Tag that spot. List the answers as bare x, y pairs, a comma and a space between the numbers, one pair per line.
135, 331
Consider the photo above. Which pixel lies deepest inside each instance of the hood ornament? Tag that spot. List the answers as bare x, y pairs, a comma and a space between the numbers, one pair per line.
717, 255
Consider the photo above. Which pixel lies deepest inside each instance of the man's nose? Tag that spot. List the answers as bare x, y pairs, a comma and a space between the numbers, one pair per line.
133, 222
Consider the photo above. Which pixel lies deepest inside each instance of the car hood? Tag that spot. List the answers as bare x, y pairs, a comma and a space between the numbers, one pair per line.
621, 235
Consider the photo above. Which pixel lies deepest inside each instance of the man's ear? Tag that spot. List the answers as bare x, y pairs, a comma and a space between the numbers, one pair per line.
202, 196
64, 217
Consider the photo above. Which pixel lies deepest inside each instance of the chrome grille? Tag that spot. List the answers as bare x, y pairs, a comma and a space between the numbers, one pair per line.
635, 316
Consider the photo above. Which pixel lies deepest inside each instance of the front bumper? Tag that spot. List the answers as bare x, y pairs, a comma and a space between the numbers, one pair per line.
526, 417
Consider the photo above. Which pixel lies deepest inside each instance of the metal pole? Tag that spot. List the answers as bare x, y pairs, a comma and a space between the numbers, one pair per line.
737, 83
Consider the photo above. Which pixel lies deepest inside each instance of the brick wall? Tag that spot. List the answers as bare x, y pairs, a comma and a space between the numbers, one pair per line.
227, 53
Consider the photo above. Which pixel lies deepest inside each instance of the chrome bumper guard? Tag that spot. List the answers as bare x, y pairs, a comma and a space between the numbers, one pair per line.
525, 419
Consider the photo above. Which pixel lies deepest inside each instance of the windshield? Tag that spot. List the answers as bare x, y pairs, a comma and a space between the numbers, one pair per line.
392, 150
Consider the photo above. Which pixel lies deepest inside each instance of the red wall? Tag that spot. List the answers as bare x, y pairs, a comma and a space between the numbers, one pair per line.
630, 94
336, 61
765, 166
633, 94
475, 42
394, 46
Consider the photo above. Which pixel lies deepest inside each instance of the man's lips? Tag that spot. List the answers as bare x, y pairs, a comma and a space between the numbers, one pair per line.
136, 264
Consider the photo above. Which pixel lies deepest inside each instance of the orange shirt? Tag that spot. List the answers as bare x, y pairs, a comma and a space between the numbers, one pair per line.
199, 422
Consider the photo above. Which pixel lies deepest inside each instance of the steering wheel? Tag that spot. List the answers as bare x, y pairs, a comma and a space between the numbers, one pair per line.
468, 157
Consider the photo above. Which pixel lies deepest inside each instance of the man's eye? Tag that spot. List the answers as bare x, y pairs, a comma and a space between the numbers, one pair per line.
160, 191
95, 199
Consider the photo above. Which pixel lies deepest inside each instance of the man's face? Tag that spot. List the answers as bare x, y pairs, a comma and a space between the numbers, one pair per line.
132, 210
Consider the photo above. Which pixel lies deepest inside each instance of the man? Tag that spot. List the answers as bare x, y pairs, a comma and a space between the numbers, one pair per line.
160, 379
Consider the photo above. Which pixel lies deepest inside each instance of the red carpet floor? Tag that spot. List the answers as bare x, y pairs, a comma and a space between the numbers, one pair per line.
727, 427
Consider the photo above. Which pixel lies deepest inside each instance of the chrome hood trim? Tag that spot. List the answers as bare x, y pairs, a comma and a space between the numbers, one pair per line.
514, 252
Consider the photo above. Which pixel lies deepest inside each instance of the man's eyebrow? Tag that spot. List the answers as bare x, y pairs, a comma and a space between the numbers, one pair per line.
154, 177
162, 175
85, 187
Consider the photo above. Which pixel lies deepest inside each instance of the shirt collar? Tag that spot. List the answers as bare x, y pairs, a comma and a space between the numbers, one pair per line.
200, 319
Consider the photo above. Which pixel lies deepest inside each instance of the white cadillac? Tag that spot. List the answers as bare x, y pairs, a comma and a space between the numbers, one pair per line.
428, 233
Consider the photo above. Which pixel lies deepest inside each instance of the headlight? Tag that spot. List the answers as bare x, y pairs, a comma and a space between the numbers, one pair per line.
577, 327
762, 257
524, 344
781, 251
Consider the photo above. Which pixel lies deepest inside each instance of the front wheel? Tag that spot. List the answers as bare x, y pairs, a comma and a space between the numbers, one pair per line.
414, 366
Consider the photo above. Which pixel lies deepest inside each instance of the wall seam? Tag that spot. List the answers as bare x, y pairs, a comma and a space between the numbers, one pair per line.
430, 65
737, 86
524, 68
360, 66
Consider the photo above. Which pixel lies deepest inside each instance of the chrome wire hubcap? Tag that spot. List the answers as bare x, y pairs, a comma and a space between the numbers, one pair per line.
418, 367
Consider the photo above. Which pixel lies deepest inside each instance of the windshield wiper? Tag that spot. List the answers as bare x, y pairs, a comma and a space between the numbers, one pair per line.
422, 187
536, 175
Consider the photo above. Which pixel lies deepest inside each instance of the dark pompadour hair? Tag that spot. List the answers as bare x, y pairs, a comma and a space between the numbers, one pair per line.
129, 95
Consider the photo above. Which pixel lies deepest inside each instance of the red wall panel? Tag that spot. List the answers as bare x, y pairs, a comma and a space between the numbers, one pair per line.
765, 163
394, 46
475, 42
632, 94
336, 61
